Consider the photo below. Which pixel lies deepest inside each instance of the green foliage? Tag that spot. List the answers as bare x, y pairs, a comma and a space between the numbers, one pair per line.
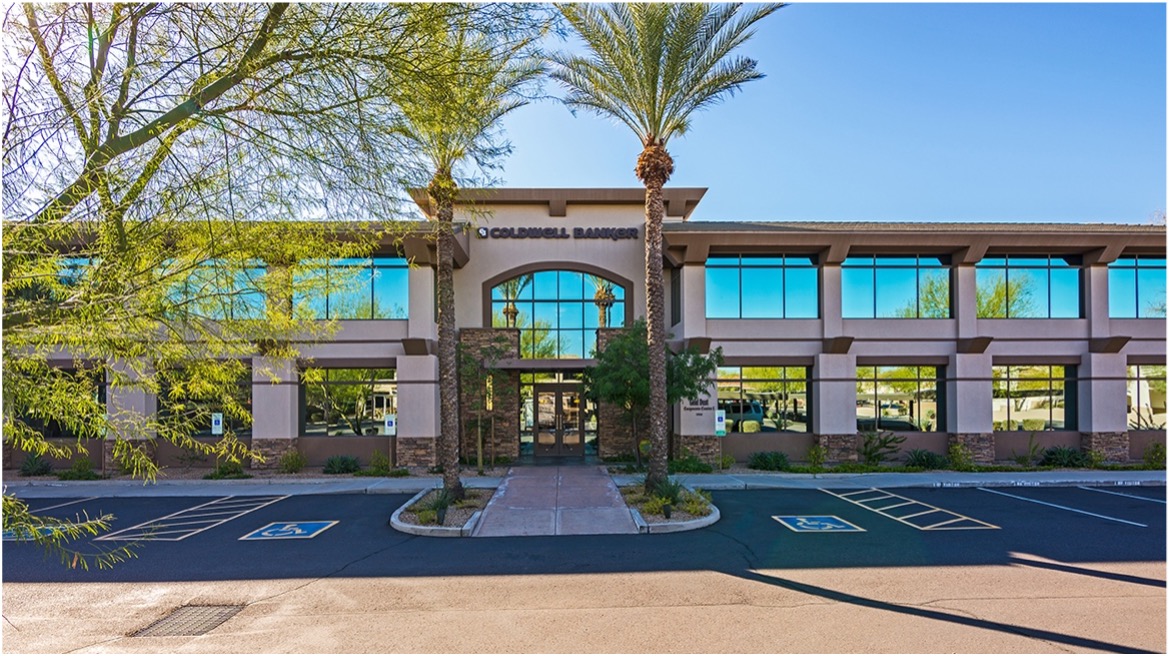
55, 534
380, 462
726, 461
689, 464
440, 499
669, 488
1063, 456
82, 470
878, 447
654, 506
768, 461
1154, 457
960, 457
35, 465
228, 469
427, 517
697, 503
341, 465
924, 459
816, 456
293, 462
1029, 457
1094, 459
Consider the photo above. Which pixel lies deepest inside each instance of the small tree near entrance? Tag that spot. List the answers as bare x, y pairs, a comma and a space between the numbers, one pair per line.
478, 372
621, 376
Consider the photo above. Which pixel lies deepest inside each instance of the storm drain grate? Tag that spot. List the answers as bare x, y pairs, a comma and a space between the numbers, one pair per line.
190, 621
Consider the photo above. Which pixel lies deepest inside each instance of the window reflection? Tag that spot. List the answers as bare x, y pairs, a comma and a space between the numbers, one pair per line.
893, 398
1146, 397
762, 287
341, 402
764, 399
353, 288
905, 287
1137, 288
1020, 287
558, 312
1033, 398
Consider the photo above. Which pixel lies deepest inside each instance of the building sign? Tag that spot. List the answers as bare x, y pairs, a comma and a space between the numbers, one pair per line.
613, 234
217, 423
720, 423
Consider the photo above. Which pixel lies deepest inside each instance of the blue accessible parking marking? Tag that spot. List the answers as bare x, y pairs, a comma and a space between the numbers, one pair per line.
289, 531
817, 524
20, 536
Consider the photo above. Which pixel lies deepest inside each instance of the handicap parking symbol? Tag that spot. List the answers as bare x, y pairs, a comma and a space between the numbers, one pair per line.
11, 535
289, 531
817, 524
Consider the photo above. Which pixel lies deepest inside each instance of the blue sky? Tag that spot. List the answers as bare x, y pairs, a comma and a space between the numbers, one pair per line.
911, 112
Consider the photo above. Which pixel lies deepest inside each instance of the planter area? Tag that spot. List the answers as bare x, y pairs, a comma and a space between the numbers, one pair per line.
429, 513
689, 509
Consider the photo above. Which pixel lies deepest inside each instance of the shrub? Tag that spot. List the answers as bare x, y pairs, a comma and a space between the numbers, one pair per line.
379, 466
816, 456
82, 470
1063, 456
1030, 457
35, 465
341, 465
398, 473
293, 461
427, 517
227, 470
440, 500
960, 457
726, 461
697, 503
925, 459
689, 464
1154, 456
877, 447
669, 488
768, 461
654, 505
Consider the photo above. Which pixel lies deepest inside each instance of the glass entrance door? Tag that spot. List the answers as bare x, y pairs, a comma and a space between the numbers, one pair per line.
559, 420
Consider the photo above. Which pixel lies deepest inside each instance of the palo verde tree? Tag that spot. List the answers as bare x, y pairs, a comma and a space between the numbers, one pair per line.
621, 378
170, 173
452, 119
479, 377
650, 66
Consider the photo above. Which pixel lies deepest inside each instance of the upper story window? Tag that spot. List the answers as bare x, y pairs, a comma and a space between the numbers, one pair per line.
219, 290
904, 287
355, 288
1028, 287
762, 287
1137, 288
558, 312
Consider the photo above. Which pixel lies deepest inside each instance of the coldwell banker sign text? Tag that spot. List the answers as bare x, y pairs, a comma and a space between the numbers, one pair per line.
557, 233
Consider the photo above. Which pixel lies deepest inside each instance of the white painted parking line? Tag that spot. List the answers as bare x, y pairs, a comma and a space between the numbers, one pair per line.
1045, 503
192, 521
956, 522
60, 505
1122, 494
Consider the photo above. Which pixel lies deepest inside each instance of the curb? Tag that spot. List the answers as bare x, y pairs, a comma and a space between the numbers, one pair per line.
674, 527
432, 531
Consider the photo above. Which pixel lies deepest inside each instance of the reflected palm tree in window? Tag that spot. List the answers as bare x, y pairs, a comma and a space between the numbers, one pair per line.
511, 290
603, 298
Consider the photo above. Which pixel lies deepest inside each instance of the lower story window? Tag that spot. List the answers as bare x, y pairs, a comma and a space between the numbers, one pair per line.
764, 399
900, 398
1146, 397
347, 402
185, 398
1034, 398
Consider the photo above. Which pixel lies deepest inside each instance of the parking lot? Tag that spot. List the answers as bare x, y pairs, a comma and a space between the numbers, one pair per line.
200, 538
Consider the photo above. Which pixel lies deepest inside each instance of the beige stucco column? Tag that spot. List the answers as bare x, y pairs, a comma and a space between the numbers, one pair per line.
968, 398
275, 409
1102, 416
834, 405
129, 406
694, 300
421, 313
418, 409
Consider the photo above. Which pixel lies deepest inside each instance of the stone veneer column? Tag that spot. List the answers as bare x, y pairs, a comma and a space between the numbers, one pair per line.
276, 408
834, 405
502, 430
418, 410
1101, 406
968, 400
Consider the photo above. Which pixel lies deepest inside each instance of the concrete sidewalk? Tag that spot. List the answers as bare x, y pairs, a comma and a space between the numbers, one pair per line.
556, 501
42, 489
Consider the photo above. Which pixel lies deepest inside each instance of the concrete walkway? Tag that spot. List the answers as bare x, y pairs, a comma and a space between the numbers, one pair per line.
556, 501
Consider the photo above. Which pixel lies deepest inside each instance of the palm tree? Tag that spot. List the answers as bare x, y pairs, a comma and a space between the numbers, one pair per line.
511, 291
650, 66
603, 298
453, 119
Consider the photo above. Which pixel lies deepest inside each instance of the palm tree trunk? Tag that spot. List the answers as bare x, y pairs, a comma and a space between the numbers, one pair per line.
655, 335
442, 190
